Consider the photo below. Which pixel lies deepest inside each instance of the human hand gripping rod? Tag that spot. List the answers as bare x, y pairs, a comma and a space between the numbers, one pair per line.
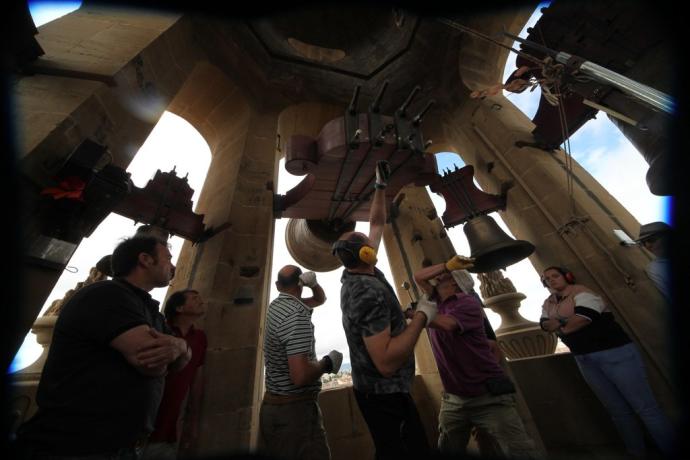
383, 173
429, 308
410, 309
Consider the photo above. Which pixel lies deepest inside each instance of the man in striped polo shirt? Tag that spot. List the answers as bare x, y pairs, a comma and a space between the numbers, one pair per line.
291, 425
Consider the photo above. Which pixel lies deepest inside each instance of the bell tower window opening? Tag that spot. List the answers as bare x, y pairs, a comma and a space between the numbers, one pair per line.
173, 143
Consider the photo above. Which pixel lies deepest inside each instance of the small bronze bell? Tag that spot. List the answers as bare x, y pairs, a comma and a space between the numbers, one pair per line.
491, 247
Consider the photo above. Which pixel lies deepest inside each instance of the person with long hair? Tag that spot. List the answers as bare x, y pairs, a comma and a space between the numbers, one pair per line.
609, 361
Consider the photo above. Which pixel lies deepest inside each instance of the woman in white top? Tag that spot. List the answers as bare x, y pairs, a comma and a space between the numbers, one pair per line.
608, 360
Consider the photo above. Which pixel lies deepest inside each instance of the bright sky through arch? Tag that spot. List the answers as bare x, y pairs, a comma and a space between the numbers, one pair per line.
173, 143
46, 11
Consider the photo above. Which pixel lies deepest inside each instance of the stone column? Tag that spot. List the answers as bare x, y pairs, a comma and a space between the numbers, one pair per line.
232, 270
574, 229
517, 337
415, 238
25, 382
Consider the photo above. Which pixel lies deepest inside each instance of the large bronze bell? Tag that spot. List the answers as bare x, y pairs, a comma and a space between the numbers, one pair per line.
491, 247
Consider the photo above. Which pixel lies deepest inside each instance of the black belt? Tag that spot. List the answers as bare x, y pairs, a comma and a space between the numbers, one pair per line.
272, 398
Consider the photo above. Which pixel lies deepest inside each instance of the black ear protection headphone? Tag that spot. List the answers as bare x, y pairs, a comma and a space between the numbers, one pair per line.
567, 274
292, 280
358, 252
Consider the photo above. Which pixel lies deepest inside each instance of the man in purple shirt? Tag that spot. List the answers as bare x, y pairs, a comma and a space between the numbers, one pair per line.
477, 393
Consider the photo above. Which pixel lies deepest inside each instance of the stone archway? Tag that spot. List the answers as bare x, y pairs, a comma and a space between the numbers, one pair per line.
107, 76
149, 63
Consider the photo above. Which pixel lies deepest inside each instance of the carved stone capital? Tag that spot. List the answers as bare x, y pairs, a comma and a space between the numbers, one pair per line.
518, 337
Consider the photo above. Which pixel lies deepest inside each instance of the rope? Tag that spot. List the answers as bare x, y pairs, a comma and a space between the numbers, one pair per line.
576, 220
568, 151
553, 77
455, 25
553, 89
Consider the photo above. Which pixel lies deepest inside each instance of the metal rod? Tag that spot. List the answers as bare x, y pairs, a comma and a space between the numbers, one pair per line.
403, 254
351, 111
335, 204
376, 104
365, 198
466, 195
381, 136
530, 44
466, 204
457, 26
613, 113
454, 195
355, 137
644, 93
352, 108
407, 102
405, 285
418, 119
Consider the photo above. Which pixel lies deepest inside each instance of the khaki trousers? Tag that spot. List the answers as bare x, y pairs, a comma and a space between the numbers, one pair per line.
293, 430
496, 415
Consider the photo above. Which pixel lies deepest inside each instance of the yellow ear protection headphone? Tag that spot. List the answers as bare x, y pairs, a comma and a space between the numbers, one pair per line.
567, 274
358, 252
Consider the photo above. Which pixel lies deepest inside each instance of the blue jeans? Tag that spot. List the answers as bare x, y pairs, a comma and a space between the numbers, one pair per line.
617, 376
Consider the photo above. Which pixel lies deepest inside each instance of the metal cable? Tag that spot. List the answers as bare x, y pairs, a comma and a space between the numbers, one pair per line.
457, 26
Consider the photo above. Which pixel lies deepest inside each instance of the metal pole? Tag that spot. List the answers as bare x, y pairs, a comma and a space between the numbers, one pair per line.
649, 95
536, 46
644, 93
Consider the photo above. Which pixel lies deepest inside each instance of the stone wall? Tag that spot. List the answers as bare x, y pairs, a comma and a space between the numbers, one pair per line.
568, 415
347, 431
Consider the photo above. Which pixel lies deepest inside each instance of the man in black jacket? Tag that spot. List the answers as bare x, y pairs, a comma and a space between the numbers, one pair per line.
103, 378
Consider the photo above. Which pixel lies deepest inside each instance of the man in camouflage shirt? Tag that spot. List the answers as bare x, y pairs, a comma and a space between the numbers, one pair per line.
381, 343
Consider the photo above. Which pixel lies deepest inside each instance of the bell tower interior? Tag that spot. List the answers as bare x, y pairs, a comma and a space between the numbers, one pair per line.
266, 86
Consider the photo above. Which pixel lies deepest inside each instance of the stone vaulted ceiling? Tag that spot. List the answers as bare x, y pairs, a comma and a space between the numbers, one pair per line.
324, 52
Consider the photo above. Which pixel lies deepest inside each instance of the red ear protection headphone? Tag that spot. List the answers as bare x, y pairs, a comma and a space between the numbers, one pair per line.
567, 274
